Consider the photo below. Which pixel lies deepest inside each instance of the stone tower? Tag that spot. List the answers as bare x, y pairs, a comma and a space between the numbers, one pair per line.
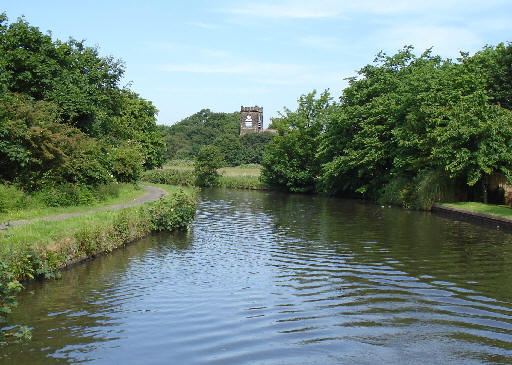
251, 119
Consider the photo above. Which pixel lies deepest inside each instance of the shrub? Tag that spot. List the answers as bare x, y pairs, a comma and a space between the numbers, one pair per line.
434, 186
173, 211
128, 160
106, 191
208, 160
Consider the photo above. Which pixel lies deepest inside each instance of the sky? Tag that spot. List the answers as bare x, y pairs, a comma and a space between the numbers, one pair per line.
185, 56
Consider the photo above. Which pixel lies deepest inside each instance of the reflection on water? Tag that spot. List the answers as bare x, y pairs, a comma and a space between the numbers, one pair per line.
288, 279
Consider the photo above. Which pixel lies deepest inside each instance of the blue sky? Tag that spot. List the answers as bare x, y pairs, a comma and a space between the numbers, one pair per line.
189, 55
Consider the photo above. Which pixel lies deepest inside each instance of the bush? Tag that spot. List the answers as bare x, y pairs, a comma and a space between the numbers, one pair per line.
106, 191
434, 186
65, 195
208, 160
127, 164
173, 211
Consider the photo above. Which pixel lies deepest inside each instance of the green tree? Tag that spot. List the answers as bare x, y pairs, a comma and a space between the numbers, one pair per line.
290, 161
208, 160
198, 130
253, 146
230, 147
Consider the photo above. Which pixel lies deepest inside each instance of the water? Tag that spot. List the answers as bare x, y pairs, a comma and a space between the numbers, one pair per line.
271, 278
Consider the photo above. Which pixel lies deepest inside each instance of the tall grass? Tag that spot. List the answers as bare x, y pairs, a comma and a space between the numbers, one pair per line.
240, 177
421, 192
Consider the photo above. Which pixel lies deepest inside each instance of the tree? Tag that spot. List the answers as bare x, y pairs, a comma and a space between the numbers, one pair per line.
198, 130
208, 160
230, 147
290, 161
253, 146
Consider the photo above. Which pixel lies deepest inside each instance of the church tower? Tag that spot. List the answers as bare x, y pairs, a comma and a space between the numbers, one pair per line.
251, 119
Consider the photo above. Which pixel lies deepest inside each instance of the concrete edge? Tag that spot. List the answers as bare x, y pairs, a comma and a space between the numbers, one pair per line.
484, 218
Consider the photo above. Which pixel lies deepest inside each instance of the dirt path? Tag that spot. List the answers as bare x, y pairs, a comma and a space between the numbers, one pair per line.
152, 194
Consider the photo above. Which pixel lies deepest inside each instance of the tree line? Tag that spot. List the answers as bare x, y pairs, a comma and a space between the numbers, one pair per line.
64, 116
185, 139
408, 129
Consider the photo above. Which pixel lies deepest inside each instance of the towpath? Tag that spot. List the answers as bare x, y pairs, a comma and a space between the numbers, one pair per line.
152, 194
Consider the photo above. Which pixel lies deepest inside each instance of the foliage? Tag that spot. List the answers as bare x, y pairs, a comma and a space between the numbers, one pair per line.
9, 287
185, 138
61, 108
410, 130
253, 147
208, 160
241, 182
290, 161
173, 212
127, 162
230, 147
58, 199
180, 173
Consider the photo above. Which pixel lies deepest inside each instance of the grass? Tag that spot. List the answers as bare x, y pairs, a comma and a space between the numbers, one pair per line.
127, 192
503, 211
41, 247
181, 172
42, 233
173, 188
252, 170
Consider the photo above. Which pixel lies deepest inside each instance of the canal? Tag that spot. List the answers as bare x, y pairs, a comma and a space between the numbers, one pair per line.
271, 278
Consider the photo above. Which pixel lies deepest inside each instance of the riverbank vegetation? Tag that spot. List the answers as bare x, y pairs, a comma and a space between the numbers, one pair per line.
18, 204
39, 249
181, 172
408, 130
71, 138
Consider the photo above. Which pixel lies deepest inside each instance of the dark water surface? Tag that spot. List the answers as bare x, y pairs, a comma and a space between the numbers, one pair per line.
270, 278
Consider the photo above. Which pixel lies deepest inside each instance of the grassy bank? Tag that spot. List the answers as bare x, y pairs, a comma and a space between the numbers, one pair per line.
40, 246
502, 211
39, 249
17, 204
182, 173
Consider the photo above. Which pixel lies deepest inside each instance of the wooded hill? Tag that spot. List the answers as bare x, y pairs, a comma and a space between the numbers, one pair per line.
185, 138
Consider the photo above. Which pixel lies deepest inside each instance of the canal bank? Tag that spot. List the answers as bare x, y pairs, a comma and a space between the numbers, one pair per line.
490, 220
40, 248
